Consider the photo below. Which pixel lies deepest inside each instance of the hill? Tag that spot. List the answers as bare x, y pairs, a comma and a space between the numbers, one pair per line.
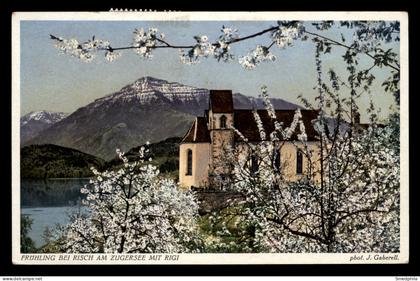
164, 154
53, 161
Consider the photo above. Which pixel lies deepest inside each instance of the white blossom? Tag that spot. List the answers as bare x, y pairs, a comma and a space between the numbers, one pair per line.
84, 51
203, 48
285, 35
187, 57
260, 54
288, 132
145, 41
302, 135
222, 52
132, 210
359, 195
260, 126
112, 56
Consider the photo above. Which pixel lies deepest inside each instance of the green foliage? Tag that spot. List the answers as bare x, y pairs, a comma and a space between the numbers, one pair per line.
165, 155
53, 161
169, 165
27, 245
166, 148
226, 231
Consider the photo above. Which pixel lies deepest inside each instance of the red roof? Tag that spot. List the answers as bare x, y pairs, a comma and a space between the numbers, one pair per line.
198, 132
245, 123
221, 101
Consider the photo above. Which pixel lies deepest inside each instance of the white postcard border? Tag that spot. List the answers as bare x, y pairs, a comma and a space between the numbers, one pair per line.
265, 258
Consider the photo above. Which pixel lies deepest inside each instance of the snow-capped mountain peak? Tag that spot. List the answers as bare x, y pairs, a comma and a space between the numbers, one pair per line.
47, 117
36, 121
147, 109
147, 90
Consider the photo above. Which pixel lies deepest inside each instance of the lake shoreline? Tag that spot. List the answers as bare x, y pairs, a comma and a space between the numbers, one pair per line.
47, 217
50, 201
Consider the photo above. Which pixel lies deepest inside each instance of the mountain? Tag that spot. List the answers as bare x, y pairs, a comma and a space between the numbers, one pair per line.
149, 109
34, 122
53, 161
245, 102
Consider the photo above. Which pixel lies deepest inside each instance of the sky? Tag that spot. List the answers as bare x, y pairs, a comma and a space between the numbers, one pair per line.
57, 82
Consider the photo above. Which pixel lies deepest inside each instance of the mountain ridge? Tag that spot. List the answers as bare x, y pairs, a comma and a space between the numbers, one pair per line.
149, 109
36, 121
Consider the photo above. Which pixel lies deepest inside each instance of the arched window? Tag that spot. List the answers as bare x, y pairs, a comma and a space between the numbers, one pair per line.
189, 162
276, 161
223, 121
254, 164
299, 162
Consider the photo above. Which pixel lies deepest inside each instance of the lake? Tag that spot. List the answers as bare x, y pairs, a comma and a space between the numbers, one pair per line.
48, 202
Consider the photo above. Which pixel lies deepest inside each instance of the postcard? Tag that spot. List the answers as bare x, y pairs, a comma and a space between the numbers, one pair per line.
210, 137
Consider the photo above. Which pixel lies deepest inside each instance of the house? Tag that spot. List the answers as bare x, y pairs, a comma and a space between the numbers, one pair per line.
202, 150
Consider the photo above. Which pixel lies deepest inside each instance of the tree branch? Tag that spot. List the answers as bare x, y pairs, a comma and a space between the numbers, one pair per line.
233, 41
339, 220
349, 48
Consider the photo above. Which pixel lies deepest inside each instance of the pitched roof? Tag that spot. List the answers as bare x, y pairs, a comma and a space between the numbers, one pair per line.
244, 121
198, 132
221, 101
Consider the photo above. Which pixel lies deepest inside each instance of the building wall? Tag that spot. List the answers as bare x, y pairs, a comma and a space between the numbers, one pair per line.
221, 141
214, 119
288, 160
209, 159
202, 154
200, 164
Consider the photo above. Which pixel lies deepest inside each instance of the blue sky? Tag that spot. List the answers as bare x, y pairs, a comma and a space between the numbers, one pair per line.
56, 82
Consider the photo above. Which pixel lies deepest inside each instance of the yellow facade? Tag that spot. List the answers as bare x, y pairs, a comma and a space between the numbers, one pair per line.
288, 160
200, 164
202, 155
211, 137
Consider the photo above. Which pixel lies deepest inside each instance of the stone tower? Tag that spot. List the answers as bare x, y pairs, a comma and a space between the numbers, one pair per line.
220, 122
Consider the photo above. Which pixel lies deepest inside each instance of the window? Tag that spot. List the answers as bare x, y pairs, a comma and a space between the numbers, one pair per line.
189, 162
276, 161
254, 164
299, 162
223, 121
224, 181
